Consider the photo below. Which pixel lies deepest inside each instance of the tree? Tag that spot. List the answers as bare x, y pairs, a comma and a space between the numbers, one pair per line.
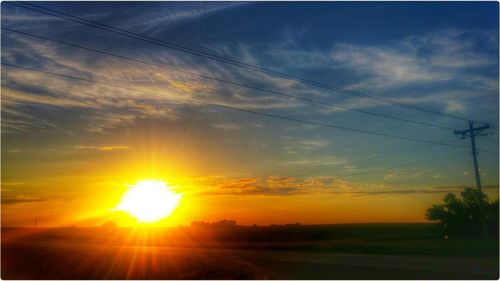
460, 217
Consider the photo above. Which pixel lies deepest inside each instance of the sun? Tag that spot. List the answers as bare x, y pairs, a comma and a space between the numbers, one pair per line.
149, 201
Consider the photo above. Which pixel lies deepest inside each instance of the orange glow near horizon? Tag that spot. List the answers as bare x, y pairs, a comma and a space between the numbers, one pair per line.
149, 201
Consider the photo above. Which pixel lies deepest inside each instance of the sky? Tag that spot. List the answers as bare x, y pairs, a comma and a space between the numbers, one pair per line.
71, 147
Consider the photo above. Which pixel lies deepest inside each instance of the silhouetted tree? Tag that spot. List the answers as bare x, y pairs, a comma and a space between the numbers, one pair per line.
460, 217
493, 218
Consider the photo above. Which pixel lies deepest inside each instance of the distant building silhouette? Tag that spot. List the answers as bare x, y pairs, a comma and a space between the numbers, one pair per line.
218, 224
109, 225
224, 224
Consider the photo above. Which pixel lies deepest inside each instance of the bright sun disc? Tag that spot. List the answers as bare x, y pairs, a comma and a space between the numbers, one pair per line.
149, 201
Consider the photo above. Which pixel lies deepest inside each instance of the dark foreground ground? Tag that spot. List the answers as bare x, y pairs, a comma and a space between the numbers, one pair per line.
386, 252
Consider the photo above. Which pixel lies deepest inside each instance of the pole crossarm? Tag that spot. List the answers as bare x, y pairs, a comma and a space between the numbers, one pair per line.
476, 131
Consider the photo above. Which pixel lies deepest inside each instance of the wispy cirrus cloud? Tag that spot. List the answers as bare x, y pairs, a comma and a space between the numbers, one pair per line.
265, 185
409, 191
320, 161
227, 126
461, 187
102, 148
436, 57
165, 18
156, 86
19, 199
394, 192
414, 59
447, 60
290, 185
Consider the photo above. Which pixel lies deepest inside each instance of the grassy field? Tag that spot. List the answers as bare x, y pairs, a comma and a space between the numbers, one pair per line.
411, 239
235, 252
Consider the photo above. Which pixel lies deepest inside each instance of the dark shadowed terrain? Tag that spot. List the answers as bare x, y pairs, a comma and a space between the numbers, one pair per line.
358, 251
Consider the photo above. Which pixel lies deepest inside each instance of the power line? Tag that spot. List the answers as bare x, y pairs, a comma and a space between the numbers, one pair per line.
399, 165
272, 92
258, 113
490, 140
415, 148
270, 115
219, 58
351, 176
405, 165
374, 157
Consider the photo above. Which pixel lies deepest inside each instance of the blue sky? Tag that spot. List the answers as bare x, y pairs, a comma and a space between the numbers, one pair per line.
434, 55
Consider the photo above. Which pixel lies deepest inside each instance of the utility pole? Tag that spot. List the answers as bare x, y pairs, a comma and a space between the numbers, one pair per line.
472, 133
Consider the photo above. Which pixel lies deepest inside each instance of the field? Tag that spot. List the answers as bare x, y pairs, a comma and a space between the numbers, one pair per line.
357, 251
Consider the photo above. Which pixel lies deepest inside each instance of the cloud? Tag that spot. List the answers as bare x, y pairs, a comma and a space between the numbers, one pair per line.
305, 59
403, 62
169, 16
266, 185
380, 63
227, 126
391, 176
101, 148
17, 183
395, 191
463, 187
164, 93
454, 106
440, 56
323, 161
444, 69
293, 144
24, 97
14, 150
290, 186
14, 199
384, 191
313, 143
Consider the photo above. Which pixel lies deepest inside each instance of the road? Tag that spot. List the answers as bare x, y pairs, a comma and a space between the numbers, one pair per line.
300, 265
65, 260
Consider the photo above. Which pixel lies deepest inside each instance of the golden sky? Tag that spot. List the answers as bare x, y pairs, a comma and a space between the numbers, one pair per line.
87, 113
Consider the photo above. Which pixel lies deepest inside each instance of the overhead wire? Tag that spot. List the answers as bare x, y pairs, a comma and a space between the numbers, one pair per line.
230, 82
375, 157
270, 115
264, 70
216, 57
378, 169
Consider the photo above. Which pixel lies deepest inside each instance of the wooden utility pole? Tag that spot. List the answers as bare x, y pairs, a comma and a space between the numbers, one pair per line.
472, 133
